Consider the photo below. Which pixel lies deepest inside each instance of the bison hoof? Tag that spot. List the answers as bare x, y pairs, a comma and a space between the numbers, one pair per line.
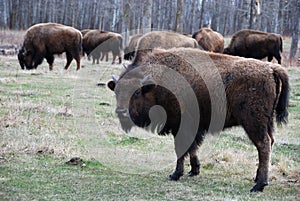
193, 173
258, 188
174, 177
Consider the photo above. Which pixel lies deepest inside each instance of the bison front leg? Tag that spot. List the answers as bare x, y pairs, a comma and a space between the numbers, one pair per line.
50, 61
264, 151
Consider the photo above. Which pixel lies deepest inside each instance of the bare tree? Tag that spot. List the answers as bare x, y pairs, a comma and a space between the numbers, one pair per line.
226, 16
179, 17
254, 13
295, 34
146, 25
202, 13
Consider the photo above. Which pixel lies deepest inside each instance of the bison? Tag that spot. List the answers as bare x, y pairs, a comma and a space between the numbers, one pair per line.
255, 44
162, 39
221, 91
97, 42
209, 40
129, 51
44, 40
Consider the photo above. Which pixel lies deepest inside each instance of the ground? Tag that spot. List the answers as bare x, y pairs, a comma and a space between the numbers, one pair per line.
47, 118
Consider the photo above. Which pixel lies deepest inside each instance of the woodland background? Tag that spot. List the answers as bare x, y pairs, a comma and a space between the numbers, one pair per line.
139, 16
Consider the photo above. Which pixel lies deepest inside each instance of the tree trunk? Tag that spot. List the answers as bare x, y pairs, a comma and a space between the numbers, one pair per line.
202, 13
179, 17
295, 34
147, 16
245, 15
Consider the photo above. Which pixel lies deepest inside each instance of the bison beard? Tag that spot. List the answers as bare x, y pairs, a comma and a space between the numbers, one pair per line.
254, 89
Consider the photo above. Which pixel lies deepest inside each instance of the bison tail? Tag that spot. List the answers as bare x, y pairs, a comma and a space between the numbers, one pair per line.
281, 79
121, 44
280, 47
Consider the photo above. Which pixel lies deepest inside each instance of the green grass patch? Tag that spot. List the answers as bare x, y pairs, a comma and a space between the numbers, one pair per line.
123, 140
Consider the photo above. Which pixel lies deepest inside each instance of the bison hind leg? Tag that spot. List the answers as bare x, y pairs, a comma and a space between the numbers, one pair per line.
278, 57
194, 161
69, 60
263, 142
78, 62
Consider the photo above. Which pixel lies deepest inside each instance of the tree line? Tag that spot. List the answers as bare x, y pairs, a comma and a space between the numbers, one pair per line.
139, 16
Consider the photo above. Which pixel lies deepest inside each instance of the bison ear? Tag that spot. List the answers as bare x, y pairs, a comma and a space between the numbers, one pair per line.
147, 88
111, 85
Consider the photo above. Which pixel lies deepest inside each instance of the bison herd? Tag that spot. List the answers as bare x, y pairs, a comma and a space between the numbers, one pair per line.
229, 86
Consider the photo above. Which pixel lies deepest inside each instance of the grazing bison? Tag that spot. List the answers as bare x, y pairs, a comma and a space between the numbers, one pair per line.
229, 91
255, 44
47, 39
162, 39
129, 51
97, 42
209, 40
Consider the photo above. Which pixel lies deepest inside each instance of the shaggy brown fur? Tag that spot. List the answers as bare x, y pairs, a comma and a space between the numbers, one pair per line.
97, 42
47, 39
162, 39
252, 90
84, 31
255, 44
129, 51
209, 40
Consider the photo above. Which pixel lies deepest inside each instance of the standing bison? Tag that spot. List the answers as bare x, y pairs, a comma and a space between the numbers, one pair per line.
255, 44
97, 42
129, 51
229, 91
209, 40
47, 39
162, 39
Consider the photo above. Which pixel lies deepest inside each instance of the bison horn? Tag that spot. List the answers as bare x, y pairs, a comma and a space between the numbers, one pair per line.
145, 79
114, 78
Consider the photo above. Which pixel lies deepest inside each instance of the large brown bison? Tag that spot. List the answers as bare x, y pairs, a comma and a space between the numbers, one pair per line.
209, 40
202, 92
162, 39
129, 51
44, 40
255, 44
97, 42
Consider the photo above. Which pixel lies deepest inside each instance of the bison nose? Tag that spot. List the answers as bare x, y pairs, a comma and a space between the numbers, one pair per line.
122, 111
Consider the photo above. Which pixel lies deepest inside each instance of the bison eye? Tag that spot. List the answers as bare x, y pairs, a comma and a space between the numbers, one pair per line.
137, 93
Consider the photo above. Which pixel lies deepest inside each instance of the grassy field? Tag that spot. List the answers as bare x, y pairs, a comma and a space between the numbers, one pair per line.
46, 118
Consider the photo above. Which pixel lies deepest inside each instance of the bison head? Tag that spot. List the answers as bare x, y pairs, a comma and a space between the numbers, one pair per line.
21, 58
135, 97
25, 58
